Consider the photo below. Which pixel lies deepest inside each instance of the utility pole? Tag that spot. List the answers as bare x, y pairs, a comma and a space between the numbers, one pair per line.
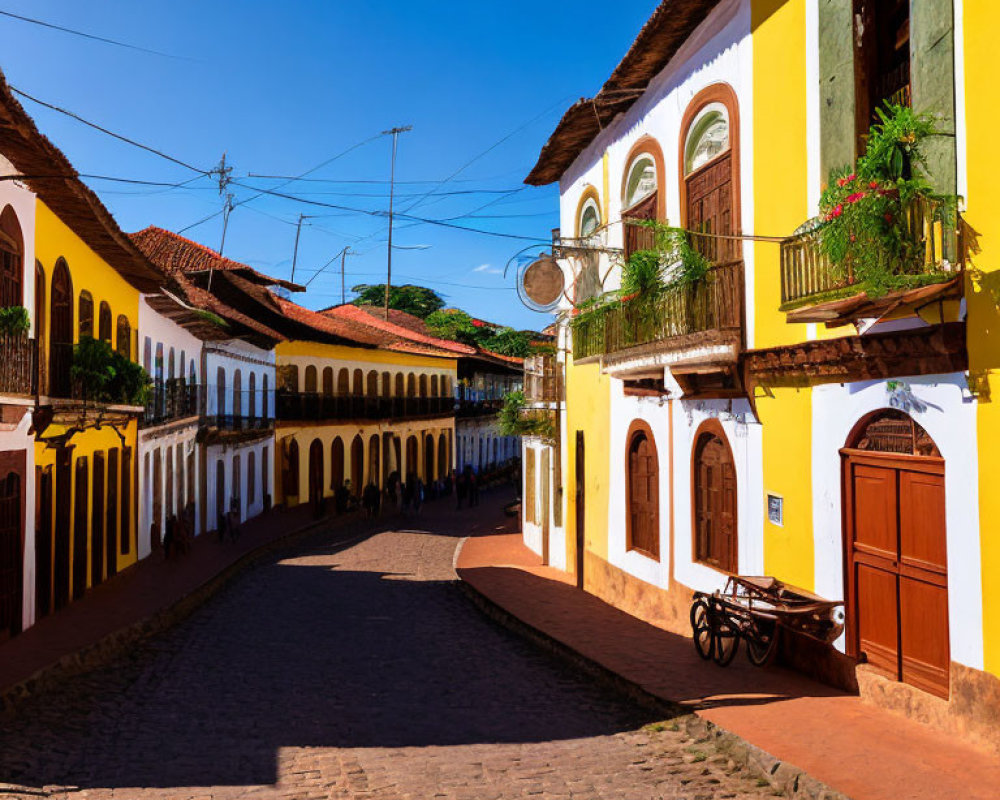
343, 292
224, 173
295, 253
392, 186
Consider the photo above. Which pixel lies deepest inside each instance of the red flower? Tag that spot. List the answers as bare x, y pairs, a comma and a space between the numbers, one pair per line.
477, 323
888, 218
853, 198
835, 212
844, 181
854, 238
873, 185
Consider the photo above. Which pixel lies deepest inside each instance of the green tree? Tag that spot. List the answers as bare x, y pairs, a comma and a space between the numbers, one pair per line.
454, 324
417, 300
510, 342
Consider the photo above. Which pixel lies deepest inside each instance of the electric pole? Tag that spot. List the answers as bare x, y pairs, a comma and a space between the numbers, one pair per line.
224, 173
343, 292
295, 252
392, 186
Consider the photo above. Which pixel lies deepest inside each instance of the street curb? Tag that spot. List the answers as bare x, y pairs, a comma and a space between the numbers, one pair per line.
108, 647
789, 780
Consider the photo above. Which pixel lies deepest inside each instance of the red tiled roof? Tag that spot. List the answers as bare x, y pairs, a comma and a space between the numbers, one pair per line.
347, 329
402, 338
175, 253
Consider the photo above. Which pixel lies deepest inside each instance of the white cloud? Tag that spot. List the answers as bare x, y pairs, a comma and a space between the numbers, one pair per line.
488, 269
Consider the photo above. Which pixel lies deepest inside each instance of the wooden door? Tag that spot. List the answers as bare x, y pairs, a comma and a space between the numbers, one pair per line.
11, 556
357, 466
897, 567
643, 495
337, 463
111, 515
581, 497
61, 332
156, 523
638, 237
80, 535
710, 207
715, 503
97, 522
545, 479
220, 494
316, 475
43, 541
411, 457
63, 528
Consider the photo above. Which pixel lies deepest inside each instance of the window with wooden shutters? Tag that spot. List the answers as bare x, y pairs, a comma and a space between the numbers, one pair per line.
643, 492
708, 179
104, 323
123, 337
714, 476
11, 259
85, 314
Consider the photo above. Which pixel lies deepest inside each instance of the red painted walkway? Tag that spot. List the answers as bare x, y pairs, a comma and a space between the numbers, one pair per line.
864, 752
139, 593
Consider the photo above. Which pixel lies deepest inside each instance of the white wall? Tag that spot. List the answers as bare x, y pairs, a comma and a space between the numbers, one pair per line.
943, 406
236, 355
154, 443
532, 531
478, 434
22, 200
238, 484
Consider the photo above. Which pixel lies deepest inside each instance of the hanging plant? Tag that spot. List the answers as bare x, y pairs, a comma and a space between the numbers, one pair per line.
871, 217
106, 376
14, 321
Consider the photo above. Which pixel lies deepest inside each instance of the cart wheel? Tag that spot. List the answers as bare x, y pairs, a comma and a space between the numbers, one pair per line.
725, 643
701, 628
763, 645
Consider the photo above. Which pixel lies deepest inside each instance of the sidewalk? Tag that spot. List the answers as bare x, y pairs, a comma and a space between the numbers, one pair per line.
148, 596
866, 753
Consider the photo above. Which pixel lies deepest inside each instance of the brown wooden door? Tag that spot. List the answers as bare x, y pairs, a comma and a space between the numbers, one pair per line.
358, 465
581, 497
638, 237
316, 475
710, 207
643, 496
61, 332
97, 522
80, 495
63, 528
897, 567
11, 557
715, 503
111, 515
43, 542
337, 463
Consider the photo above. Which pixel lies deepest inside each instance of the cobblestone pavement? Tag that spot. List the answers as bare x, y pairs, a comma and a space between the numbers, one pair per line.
351, 670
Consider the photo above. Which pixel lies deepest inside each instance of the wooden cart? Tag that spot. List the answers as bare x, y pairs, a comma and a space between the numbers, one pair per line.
756, 609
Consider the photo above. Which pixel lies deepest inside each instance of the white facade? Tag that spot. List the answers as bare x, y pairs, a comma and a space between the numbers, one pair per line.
480, 445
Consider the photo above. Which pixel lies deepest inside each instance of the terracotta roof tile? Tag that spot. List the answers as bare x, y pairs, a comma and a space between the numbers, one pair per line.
400, 337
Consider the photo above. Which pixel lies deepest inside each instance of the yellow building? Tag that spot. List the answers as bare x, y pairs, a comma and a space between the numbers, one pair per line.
85, 282
783, 414
361, 399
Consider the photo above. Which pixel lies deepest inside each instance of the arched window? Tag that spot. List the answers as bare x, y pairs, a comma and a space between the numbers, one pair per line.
252, 397
642, 520
358, 384
104, 323
588, 218
386, 385
11, 259
709, 187
423, 386
60, 330
714, 475
85, 314
344, 383
123, 337
411, 385
337, 463
289, 375
434, 385
398, 391
251, 475
642, 193
220, 392
310, 380
372, 384
170, 364
328, 381
237, 394
357, 465
264, 402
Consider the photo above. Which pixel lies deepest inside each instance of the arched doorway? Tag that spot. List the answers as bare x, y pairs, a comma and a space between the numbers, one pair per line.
643, 477
429, 458
411, 456
316, 476
714, 475
443, 466
11, 558
60, 331
896, 550
357, 465
374, 459
337, 463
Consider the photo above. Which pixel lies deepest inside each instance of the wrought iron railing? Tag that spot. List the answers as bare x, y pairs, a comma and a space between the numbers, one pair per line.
477, 408
18, 364
807, 273
714, 303
299, 406
171, 400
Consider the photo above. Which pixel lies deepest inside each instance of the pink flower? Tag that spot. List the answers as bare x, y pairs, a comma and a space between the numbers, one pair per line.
835, 212
853, 198
844, 181
873, 185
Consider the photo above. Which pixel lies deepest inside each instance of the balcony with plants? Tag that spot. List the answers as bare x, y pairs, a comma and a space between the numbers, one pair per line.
543, 382
684, 291
18, 353
883, 238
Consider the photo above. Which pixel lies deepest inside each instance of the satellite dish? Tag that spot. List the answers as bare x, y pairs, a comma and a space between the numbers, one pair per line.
540, 283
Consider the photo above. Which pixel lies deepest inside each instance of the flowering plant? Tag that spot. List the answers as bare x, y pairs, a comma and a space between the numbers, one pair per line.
870, 220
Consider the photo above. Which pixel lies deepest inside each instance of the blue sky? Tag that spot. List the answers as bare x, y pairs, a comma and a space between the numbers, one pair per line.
283, 87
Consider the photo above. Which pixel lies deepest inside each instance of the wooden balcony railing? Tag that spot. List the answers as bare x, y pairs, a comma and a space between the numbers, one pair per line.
18, 364
807, 274
171, 400
714, 303
542, 379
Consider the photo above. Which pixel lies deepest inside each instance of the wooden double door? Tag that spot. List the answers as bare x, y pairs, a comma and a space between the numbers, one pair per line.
897, 567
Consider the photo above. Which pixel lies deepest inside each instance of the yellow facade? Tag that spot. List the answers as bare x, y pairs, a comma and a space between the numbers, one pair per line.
55, 240
982, 120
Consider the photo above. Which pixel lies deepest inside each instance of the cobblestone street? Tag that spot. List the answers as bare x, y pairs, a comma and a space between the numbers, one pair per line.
355, 669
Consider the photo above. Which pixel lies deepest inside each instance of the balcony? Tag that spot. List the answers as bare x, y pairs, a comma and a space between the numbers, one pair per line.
542, 380
171, 401
466, 408
19, 355
813, 289
697, 325
314, 407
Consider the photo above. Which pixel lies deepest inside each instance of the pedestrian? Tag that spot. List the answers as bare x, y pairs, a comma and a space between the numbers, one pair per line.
418, 495
341, 496
369, 499
408, 488
473, 488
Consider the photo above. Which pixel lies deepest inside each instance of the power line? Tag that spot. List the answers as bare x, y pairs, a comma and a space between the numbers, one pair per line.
104, 130
92, 36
